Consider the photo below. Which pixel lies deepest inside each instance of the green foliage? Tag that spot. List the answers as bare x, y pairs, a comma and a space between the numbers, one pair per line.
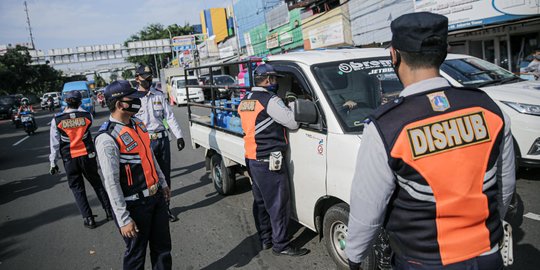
18, 76
127, 74
156, 31
99, 81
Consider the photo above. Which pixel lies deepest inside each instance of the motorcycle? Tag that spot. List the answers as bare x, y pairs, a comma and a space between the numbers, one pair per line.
28, 122
50, 105
15, 118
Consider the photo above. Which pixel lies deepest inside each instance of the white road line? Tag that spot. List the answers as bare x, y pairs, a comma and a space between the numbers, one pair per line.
532, 216
21, 140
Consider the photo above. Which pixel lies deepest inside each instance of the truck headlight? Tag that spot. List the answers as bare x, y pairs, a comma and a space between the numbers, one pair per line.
524, 108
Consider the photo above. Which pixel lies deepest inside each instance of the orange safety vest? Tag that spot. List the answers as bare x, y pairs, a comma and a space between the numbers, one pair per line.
75, 137
262, 134
443, 147
137, 168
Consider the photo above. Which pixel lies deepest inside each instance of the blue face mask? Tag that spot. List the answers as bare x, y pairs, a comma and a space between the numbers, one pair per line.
272, 87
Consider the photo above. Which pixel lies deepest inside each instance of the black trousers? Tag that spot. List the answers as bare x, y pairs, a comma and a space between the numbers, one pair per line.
162, 152
271, 205
486, 262
78, 167
150, 216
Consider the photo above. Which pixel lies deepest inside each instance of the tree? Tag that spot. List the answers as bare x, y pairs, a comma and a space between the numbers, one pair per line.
114, 76
98, 80
156, 31
127, 74
17, 75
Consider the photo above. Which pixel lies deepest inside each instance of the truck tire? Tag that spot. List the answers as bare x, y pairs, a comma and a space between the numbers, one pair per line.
335, 234
223, 177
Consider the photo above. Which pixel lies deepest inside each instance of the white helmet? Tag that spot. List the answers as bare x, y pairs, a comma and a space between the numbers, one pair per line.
25, 101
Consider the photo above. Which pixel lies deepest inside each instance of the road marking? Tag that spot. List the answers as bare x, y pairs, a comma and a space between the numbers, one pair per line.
532, 216
21, 140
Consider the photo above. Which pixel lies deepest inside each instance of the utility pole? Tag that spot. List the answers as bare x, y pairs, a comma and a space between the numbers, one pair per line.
236, 31
29, 27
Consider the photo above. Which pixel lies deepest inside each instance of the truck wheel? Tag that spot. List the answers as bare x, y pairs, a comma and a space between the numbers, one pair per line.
223, 177
335, 234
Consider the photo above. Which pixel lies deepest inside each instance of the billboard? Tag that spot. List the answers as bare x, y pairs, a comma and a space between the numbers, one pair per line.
183, 43
470, 13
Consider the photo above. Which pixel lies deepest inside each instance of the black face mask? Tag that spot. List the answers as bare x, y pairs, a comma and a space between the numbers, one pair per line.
146, 84
398, 62
134, 105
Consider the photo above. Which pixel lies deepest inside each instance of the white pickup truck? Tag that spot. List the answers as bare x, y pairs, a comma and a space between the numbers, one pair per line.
322, 154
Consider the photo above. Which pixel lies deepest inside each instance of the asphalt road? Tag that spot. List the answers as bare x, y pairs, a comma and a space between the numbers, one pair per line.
41, 228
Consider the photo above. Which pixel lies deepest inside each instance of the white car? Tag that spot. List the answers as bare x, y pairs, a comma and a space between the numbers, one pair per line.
178, 89
56, 99
519, 99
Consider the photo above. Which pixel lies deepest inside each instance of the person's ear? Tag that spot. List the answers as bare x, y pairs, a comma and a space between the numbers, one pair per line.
393, 55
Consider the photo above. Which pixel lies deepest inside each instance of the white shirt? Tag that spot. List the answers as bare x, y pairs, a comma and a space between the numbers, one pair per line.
154, 108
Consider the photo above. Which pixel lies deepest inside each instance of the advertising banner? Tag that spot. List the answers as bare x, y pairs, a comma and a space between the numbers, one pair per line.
469, 13
327, 35
183, 43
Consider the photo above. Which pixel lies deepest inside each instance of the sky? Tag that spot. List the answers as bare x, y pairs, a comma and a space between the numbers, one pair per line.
72, 23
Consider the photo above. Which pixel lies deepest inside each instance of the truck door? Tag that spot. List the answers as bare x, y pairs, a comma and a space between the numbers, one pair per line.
307, 154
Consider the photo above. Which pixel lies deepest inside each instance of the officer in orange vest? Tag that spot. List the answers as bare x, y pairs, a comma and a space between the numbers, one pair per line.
71, 139
264, 118
436, 166
134, 181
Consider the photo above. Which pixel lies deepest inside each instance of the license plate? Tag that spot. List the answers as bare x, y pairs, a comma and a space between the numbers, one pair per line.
25, 119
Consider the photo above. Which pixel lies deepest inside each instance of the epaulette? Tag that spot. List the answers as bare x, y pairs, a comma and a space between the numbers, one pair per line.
468, 88
386, 108
105, 126
58, 114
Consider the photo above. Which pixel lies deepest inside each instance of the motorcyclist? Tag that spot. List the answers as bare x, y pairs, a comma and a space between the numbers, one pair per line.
50, 103
25, 106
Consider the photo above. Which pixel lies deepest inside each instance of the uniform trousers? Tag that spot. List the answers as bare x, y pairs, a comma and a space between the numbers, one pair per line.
162, 151
271, 205
81, 166
150, 216
486, 262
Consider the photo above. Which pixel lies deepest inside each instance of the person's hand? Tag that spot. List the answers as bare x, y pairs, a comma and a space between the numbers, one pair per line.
167, 194
54, 169
180, 143
290, 97
349, 104
130, 230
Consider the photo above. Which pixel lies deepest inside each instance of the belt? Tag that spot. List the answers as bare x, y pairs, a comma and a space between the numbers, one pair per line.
152, 190
158, 135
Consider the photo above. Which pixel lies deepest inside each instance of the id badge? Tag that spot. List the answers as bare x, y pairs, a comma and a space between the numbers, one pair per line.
274, 161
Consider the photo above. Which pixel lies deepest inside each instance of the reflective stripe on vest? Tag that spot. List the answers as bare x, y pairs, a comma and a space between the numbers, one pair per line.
75, 137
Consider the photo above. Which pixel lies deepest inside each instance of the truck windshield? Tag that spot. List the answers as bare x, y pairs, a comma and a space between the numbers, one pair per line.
475, 72
182, 84
356, 87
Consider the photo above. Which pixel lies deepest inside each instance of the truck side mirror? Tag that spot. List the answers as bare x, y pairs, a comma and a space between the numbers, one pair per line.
305, 111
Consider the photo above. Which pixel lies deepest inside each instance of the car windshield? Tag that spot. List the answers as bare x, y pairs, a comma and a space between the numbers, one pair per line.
356, 87
475, 72
84, 93
181, 84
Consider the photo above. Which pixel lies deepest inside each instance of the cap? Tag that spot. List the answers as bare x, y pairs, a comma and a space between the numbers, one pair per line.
72, 94
266, 70
119, 89
144, 71
410, 30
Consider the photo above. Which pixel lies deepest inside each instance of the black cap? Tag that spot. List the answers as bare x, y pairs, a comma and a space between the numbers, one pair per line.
410, 30
143, 71
266, 70
120, 89
72, 94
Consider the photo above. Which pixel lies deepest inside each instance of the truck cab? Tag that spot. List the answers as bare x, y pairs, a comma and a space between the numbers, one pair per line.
336, 90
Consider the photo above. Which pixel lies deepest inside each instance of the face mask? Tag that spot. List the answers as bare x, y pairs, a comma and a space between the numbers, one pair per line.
537, 57
146, 84
272, 87
134, 105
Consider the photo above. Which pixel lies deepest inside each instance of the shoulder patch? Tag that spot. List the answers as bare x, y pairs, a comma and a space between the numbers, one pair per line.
105, 126
386, 108
247, 105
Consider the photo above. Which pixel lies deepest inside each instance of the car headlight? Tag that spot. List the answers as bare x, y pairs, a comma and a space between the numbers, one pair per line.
524, 108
